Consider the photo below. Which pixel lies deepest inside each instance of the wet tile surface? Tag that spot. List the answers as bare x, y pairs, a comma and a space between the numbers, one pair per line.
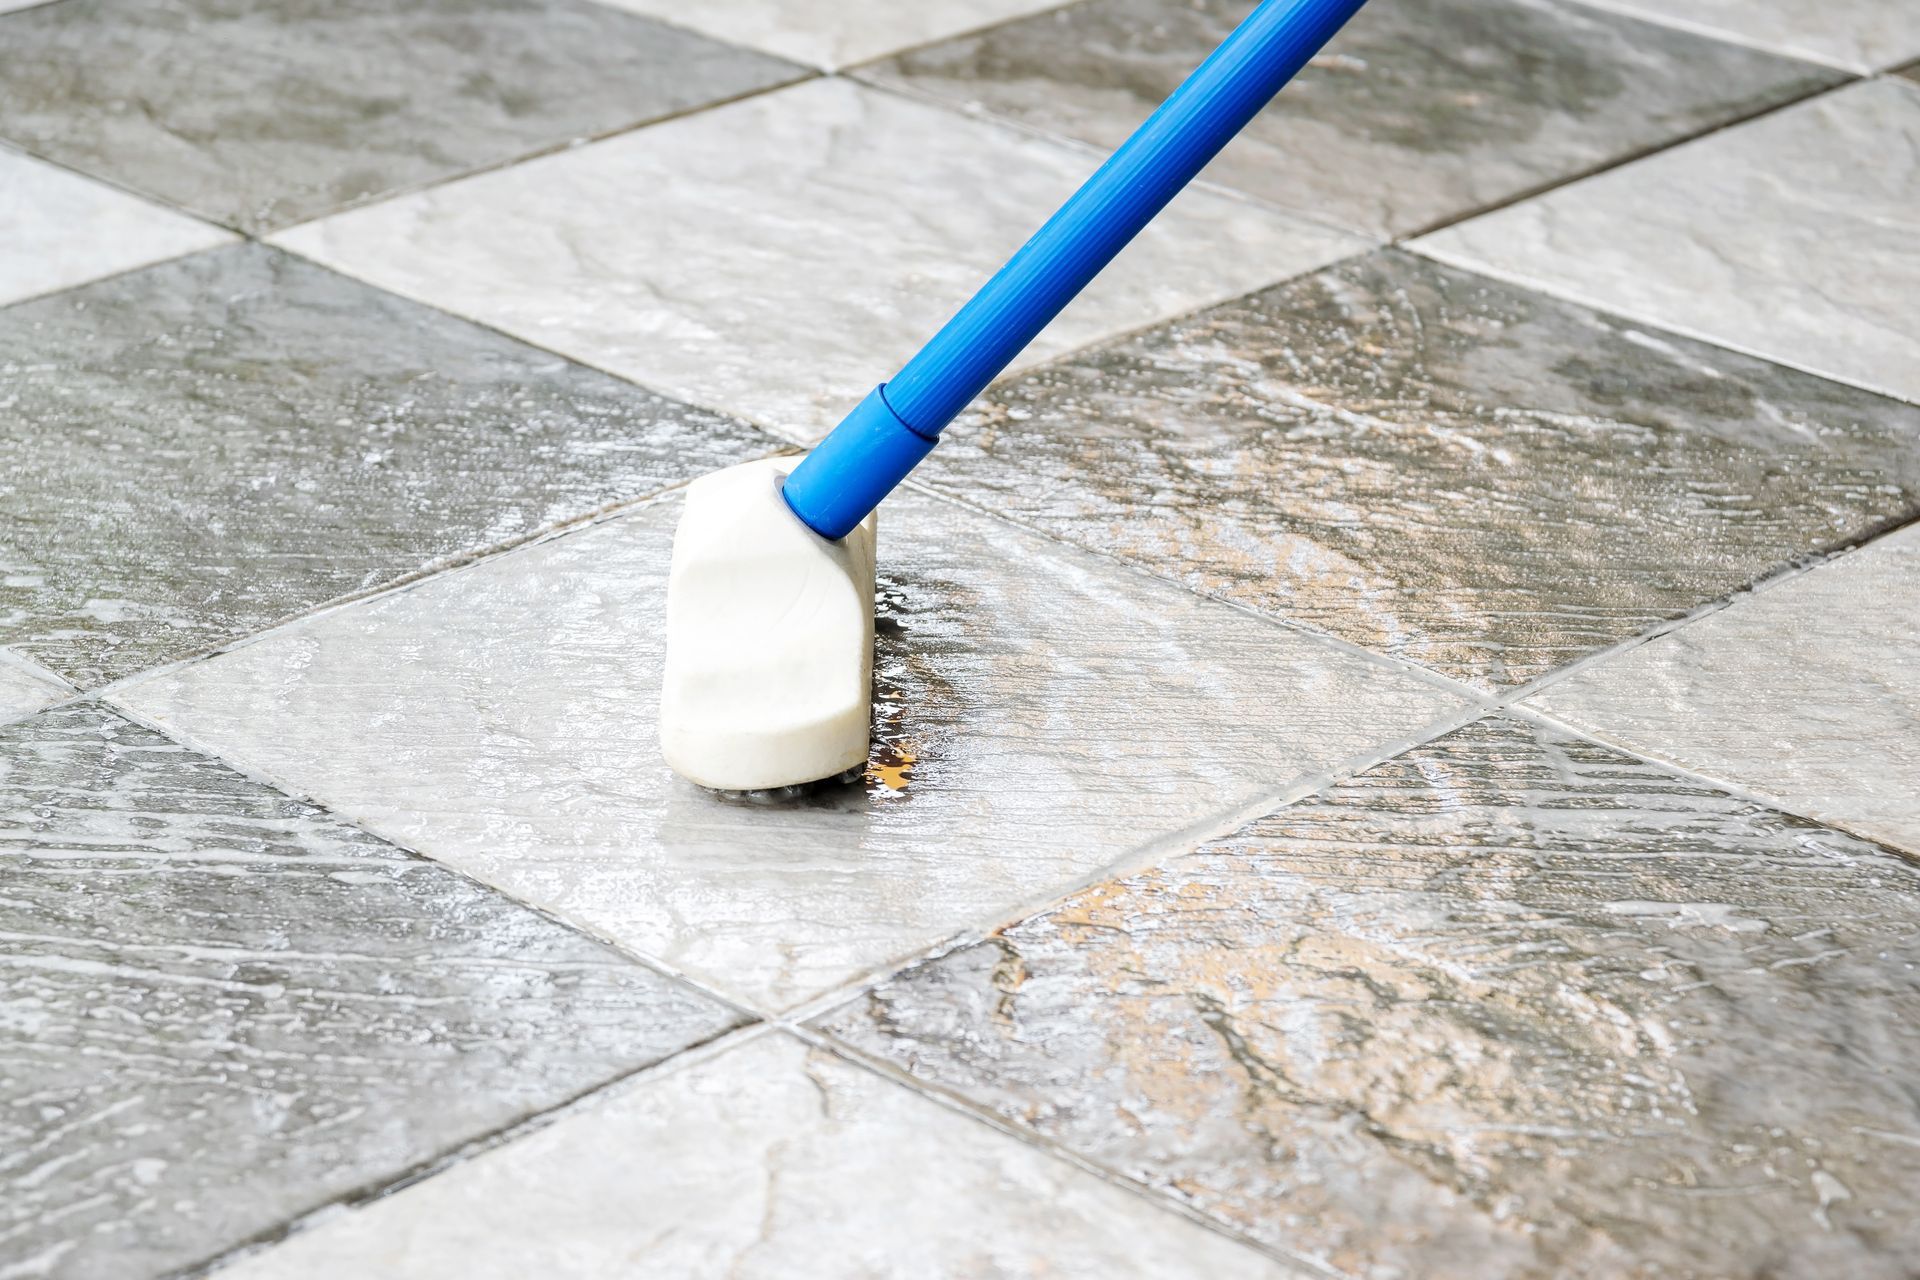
61, 229
260, 115
1438, 466
763, 258
834, 33
772, 1160
1420, 111
220, 1008
1791, 237
1808, 692
1511, 1004
1861, 35
197, 450
25, 688
1040, 714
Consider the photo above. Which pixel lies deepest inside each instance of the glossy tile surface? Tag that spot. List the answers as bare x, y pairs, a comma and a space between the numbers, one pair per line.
765, 258
25, 687
770, 1161
220, 1008
1791, 237
1419, 111
1438, 466
1041, 714
60, 229
200, 449
1861, 35
1512, 1004
1808, 692
260, 115
834, 33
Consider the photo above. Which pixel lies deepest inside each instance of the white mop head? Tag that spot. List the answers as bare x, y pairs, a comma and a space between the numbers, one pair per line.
769, 673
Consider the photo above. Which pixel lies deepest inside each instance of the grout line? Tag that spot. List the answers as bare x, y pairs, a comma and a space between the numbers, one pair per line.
959, 1103
1725, 785
1723, 36
76, 286
691, 1056
933, 42
1809, 562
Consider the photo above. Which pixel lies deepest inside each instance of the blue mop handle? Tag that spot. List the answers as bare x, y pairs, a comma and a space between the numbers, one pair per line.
874, 447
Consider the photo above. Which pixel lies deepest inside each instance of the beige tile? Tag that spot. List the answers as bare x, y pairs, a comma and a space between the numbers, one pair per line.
1791, 237
771, 1161
1058, 713
778, 257
1808, 692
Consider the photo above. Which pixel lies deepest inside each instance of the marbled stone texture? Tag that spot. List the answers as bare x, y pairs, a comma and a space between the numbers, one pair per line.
26, 687
1040, 714
1808, 692
768, 258
769, 1162
198, 450
262, 114
1792, 237
60, 229
834, 33
1418, 112
1860, 35
220, 1008
1511, 1004
1438, 466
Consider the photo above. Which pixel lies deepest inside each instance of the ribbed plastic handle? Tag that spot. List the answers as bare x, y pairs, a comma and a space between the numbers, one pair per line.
870, 452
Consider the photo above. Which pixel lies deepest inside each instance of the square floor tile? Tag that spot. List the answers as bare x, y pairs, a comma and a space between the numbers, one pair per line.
1861, 35
1438, 466
200, 449
220, 1008
1791, 237
1808, 692
1512, 1004
835, 33
1420, 111
25, 687
1041, 712
768, 1162
767, 259
61, 229
263, 114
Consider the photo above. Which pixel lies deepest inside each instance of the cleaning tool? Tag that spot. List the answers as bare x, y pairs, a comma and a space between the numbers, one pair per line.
770, 595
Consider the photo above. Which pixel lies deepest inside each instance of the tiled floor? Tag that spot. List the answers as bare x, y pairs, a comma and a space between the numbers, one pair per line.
1394, 751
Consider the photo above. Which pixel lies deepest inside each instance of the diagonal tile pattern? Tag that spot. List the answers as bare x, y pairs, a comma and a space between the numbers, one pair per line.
1791, 236
1861, 35
1509, 1004
263, 114
767, 259
26, 687
1796, 692
200, 449
61, 229
768, 1162
1041, 714
1438, 466
835, 33
220, 1008
1418, 112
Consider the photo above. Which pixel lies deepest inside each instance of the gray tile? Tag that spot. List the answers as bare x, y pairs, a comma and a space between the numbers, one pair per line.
1041, 714
1438, 466
767, 259
770, 1162
61, 229
1792, 237
220, 1008
200, 449
1512, 1004
1420, 111
1808, 692
1861, 35
263, 114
